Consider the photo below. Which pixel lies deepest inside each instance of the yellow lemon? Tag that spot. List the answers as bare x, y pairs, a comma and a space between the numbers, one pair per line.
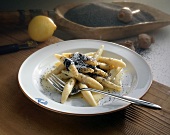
41, 28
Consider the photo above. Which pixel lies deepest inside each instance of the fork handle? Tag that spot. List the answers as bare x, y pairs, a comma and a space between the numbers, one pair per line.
128, 99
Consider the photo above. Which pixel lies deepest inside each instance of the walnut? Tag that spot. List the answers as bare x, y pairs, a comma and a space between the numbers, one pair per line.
125, 15
129, 44
144, 41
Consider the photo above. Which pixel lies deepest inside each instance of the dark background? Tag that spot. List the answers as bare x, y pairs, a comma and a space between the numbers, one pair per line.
51, 4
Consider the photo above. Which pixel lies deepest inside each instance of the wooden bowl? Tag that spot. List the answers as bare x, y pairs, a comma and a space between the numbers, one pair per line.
161, 19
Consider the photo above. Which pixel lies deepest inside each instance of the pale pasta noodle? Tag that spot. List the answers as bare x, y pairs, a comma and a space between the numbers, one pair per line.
87, 95
67, 89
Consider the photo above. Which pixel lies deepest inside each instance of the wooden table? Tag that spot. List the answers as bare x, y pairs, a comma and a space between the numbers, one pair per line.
20, 116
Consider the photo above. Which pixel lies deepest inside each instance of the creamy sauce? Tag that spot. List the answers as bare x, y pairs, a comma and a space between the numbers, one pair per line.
118, 79
67, 62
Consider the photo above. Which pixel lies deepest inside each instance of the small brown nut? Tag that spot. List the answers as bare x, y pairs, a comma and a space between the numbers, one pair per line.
145, 41
129, 44
125, 15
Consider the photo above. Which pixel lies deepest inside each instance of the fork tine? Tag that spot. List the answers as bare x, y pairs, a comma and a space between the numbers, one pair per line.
53, 82
59, 84
56, 83
59, 80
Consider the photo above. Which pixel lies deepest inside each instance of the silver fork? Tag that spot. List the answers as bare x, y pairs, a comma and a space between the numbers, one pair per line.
59, 85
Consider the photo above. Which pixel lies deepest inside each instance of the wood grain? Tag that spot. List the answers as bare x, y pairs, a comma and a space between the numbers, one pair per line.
20, 116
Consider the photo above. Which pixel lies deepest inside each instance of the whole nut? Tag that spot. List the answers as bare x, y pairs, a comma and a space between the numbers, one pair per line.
125, 15
128, 43
145, 41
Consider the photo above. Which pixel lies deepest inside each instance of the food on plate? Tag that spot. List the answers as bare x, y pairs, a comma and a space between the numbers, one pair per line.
87, 95
41, 28
88, 70
112, 62
68, 63
89, 81
67, 89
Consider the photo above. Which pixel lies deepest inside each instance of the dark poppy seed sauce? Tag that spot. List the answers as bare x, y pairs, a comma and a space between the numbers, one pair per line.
79, 61
67, 63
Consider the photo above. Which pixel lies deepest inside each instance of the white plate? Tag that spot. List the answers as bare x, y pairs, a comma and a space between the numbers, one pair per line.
137, 77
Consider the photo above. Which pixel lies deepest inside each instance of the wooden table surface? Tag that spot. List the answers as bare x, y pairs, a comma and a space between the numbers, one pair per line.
20, 116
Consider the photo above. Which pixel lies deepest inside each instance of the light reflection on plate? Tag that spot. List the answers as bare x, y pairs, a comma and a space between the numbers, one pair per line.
137, 77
